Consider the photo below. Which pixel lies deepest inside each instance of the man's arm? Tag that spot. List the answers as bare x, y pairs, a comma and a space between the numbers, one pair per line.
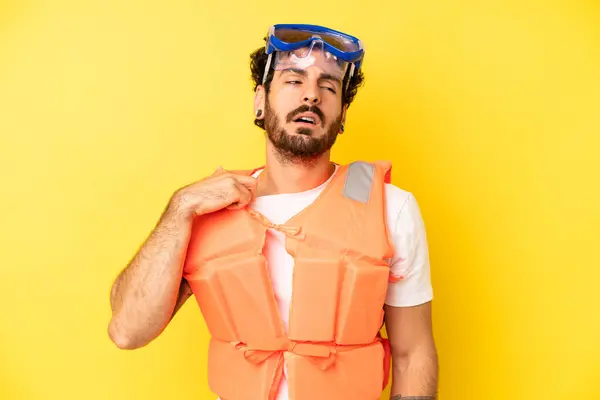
147, 293
414, 355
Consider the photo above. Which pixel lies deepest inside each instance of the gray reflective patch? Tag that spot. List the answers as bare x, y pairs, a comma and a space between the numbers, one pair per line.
359, 180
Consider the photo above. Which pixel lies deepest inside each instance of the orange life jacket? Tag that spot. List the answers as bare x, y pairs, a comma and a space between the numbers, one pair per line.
341, 248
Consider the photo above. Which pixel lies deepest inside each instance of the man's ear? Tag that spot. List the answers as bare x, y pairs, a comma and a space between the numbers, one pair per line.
259, 102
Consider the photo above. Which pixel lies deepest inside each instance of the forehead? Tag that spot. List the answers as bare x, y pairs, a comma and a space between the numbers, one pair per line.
313, 59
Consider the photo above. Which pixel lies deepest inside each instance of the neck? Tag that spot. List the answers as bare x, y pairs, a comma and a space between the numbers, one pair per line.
281, 176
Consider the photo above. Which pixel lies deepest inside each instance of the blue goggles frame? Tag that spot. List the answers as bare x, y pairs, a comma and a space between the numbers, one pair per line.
353, 57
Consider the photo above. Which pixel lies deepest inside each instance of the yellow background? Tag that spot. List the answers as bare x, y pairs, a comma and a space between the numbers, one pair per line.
488, 109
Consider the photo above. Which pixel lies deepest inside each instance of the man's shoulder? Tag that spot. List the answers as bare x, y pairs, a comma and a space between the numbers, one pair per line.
403, 213
396, 198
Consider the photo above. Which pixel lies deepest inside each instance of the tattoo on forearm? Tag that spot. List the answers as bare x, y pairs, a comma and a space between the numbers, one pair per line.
400, 397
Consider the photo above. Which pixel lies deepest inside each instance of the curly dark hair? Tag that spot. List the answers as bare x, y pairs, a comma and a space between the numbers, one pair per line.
258, 62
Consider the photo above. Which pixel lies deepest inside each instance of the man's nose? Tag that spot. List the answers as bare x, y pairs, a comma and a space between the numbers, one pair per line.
311, 95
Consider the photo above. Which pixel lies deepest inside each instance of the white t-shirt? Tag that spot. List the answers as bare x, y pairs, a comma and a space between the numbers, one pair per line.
406, 227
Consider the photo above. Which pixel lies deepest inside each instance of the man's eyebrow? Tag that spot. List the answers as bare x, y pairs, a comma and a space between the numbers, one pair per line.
295, 71
323, 76
330, 78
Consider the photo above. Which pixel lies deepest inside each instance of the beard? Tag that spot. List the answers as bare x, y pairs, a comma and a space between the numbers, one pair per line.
302, 147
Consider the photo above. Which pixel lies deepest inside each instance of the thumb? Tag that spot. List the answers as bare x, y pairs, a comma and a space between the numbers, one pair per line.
218, 170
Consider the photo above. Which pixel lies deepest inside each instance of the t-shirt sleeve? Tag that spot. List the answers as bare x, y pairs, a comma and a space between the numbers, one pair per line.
410, 262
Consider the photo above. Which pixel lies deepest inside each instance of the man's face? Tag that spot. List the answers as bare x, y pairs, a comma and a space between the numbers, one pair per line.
303, 112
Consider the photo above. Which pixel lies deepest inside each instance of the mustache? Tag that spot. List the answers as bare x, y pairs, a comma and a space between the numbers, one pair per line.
304, 108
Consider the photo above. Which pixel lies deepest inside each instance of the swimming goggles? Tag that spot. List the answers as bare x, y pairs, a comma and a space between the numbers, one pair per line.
293, 46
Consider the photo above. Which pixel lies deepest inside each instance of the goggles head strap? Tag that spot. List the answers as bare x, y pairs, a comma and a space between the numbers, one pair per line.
267, 66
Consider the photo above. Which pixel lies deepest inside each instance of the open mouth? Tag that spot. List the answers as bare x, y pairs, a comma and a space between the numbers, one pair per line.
308, 119
305, 120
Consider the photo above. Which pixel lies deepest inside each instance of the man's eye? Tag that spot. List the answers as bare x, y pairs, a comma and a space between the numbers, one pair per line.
294, 82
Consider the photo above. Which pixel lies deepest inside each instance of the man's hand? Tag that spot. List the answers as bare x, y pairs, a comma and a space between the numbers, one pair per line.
220, 190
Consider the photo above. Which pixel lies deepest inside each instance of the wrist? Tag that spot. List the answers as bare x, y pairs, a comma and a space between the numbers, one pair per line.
180, 208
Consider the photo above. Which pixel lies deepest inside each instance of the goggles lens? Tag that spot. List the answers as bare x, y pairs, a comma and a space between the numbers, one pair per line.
313, 55
338, 41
